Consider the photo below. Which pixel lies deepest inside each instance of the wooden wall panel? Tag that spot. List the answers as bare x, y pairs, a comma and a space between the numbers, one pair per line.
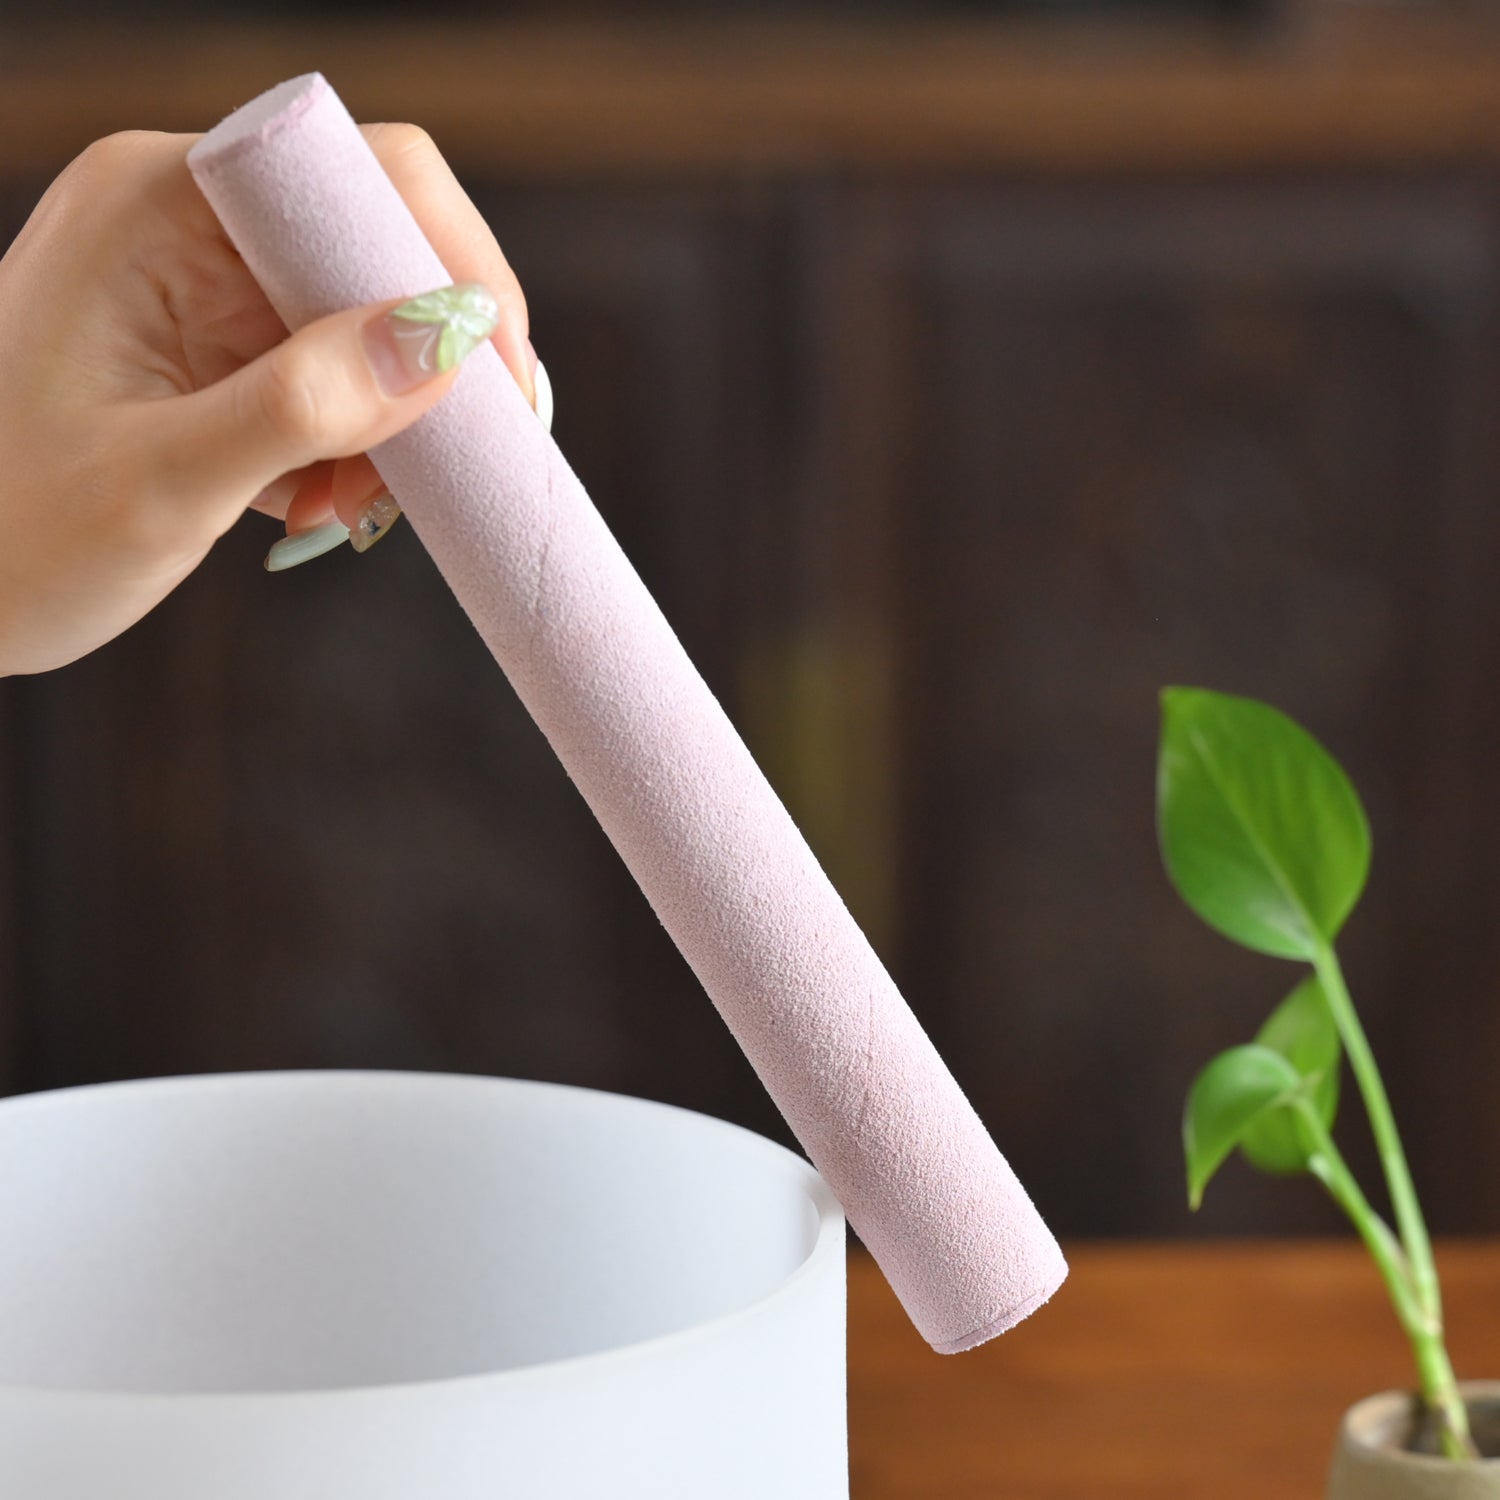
939, 481
17, 198
1226, 436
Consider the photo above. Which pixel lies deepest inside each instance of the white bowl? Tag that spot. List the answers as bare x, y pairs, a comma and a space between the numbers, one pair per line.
411, 1286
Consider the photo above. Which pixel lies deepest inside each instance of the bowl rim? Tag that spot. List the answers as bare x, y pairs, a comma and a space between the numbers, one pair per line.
828, 1238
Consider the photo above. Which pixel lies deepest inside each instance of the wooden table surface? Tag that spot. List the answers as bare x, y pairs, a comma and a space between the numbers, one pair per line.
1158, 1372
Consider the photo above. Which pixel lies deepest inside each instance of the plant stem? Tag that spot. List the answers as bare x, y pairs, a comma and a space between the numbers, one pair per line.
1327, 1164
1408, 1268
1439, 1388
1409, 1222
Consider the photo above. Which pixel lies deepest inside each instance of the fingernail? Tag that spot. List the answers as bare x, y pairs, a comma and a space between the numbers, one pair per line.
303, 546
528, 355
429, 334
374, 521
543, 394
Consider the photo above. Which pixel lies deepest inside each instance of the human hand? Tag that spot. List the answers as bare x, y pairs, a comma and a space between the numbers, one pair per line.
149, 393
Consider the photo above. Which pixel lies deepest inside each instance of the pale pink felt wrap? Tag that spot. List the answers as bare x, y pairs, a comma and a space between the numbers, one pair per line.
322, 228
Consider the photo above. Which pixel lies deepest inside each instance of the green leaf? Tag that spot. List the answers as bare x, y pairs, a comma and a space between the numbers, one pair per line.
1261, 832
1226, 1098
1302, 1030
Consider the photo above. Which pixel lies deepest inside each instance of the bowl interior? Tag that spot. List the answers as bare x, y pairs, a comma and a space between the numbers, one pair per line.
275, 1231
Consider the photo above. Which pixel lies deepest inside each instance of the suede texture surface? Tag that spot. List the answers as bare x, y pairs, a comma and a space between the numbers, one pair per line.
322, 228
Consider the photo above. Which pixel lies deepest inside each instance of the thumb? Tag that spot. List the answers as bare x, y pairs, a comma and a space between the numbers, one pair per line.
334, 388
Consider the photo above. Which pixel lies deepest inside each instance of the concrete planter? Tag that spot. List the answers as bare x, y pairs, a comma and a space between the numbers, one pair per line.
1372, 1459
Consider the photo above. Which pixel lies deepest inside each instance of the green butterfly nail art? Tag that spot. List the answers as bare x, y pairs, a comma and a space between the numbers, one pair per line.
464, 316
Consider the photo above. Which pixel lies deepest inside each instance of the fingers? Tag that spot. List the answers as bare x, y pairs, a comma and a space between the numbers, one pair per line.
312, 502
292, 425
459, 234
335, 388
343, 500
356, 482
277, 497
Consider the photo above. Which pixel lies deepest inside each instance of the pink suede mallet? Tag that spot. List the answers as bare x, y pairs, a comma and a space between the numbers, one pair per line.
322, 228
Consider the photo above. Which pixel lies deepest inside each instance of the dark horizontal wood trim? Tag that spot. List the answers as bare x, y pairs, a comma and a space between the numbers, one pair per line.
528, 99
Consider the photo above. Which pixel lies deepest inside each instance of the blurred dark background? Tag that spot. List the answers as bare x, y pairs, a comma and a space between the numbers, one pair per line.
956, 378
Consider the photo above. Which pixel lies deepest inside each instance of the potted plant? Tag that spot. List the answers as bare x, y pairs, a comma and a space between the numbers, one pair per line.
1265, 839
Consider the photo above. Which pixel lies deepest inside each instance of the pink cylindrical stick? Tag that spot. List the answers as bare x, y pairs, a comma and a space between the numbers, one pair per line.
322, 228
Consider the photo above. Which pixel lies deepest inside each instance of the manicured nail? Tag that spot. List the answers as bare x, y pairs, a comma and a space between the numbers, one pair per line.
374, 521
543, 395
429, 334
303, 546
